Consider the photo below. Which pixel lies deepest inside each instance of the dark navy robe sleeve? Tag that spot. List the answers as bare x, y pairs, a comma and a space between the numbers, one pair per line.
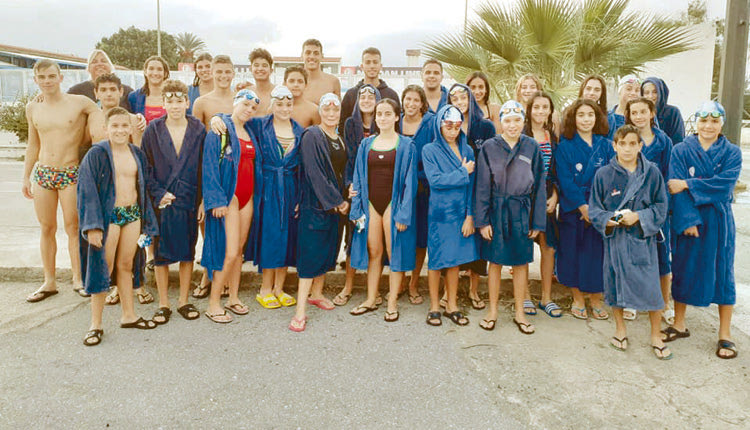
720, 187
482, 190
406, 205
571, 194
316, 163
149, 143
439, 180
359, 184
213, 194
90, 211
351, 151
598, 213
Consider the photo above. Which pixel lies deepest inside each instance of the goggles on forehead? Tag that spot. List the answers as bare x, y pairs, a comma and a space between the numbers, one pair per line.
451, 125
457, 90
246, 95
712, 109
170, 94
329, 99
281, 93
367, 89
509, 110
706, 114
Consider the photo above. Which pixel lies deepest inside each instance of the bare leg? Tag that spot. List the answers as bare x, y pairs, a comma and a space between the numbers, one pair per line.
679, 316
97, 308
235, 273
520, 286
161, 273
579, 301
620, 328
45, 206
68, 200
126, 248
656, 336
493, 285
231, 226
547, 267
433, 283
375, 250
316, 292
414, 279
186, 274
278, 280
394, 278
725, 322
303, 291
267, 282
451, 289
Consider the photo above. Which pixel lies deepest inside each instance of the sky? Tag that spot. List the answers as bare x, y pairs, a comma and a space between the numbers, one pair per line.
235, 27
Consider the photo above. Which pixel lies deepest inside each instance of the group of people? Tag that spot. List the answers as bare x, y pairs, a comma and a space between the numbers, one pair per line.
625, 208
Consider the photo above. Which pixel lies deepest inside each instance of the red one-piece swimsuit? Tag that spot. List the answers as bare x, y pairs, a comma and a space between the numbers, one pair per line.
245, 173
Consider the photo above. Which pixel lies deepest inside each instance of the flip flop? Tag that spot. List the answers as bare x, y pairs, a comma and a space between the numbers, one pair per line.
416, 300
140, 324
164, 313
286, 300
202, 292
81, 292
623, 343
674, 334
551, 307
488, 325
362, 309
729, 346
341, 299
40, 295
145, 298
477, 304
579, 313
599, 314
300, 324
432, 316
93, 337
661, 350
213, 317
324, 304
457, 317
529, 308
389, 316
378, 300
113, 297
186, 310
238, 309
523, 327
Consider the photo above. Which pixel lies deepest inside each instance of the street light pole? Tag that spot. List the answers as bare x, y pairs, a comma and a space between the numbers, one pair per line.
733, 65
158, 29
466, 14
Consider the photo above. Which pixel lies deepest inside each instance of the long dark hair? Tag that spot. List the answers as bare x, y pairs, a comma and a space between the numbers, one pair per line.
145, 66
422, 96
394, 106
483, 77
648, 102
548, 125
569, 128
203, 57
602, 102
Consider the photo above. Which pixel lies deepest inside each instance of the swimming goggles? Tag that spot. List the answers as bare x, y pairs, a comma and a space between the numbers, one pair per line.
457, 90
712, 109
367, 89
508, 110
246, 94
281, 93
451, 125
329, 99
170, 94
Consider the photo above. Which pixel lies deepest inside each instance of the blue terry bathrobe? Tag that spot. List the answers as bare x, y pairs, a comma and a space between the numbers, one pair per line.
631, 267
451, 200
659, 153
178, 174
353, 135
668, 117
703, 266
403, 207
96, 202
443, 100
321, 193
580, 250
425, 134
510, 196
278, 195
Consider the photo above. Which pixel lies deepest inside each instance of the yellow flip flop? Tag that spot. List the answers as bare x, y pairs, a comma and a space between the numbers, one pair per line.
286, 300
268, 301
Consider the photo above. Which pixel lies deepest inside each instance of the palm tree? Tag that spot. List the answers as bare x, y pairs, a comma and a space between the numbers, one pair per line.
189, 45
559, 40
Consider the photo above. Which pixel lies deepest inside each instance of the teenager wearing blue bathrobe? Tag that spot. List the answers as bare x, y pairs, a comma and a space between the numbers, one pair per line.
628, 206
278, 142
323, 159
384, 190
582, 150
703, 172
668, 117
418, 124
228, 197
510, 208
360, 125
657, 148
113, 212
629, 88
477, 129
539, 125
174, 146
449, 168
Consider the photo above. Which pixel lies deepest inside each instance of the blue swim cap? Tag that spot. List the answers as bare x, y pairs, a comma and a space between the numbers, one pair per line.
711, 108
246, 94
512, 108
452, 114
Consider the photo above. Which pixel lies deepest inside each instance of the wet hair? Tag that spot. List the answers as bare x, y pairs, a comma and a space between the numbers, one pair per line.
107, 78
372, 51
261, 53
295, 68
625, 130
44, 64
313, 42
602, 102
548, 125
569, 128
422, 97
648, 103
393, 105
483, 77
164, 65
433, 61
531, 76
203, 57
117, 110
174, 86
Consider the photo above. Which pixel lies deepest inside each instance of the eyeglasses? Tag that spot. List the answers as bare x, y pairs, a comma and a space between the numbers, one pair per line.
367, 89
457, 90
705, 114
451, 125
506, 111
171, 94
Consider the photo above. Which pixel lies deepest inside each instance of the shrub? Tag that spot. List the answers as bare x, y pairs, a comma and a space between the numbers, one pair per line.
13, 117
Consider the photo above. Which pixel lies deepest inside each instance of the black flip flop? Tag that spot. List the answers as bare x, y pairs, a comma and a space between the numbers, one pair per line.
185, 311
388, 315
95, 335
674, 334
521, 326
456, 317
728, 345
205, 291
623, 345
361, 310
164, 313
431, 316
40, 295
490, 325
140, 324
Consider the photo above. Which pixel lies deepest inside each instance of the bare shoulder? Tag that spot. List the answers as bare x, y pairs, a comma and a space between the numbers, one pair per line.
87, 106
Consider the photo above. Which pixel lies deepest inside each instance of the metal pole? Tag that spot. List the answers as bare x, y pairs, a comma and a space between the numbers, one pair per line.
733, 65
466, 14
158, 28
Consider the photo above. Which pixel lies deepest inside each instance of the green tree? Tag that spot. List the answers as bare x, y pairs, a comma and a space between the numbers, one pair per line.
188, 45
559, 40
132, 46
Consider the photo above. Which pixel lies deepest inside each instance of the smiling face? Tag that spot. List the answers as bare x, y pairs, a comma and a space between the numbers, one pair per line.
593, 90
155, 72
412, 104
366, 102
176, 106
650, 92
330, 114
641, 115
512, 125
709, 128
295, 81
203, 69
311, 56
627, 148
223, 75
371, 65
385, 116
99, 66
282, 108
629, 91
460, 99
432, 76
540, 110
261, 69
244, 109
528, 88
585, 119
48, 79
478, 88
119, 129
109, 94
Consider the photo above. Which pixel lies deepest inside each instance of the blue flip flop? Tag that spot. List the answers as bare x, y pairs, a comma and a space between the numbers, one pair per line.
549, 307
529, 308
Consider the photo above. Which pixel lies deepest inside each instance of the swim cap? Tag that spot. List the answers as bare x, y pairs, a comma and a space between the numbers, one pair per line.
329, 99
628, 79
512, 108
281, 92
452, 114
246, 95
713, 109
